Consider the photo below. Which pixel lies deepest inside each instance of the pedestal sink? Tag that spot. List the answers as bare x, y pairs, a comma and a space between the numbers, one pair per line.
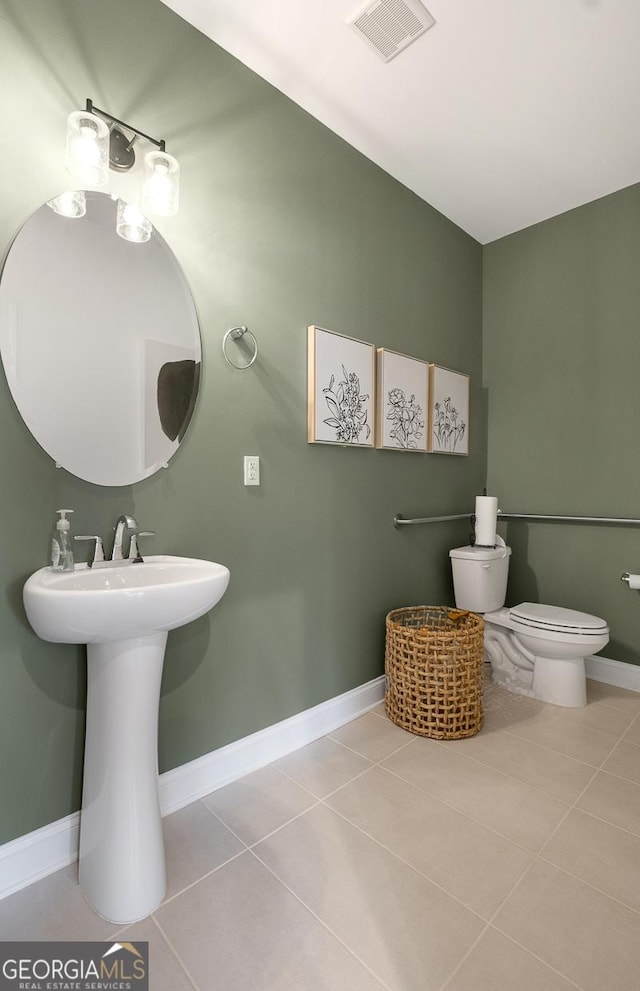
123, 612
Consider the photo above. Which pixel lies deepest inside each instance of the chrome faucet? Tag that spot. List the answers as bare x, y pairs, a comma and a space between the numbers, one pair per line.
124, 523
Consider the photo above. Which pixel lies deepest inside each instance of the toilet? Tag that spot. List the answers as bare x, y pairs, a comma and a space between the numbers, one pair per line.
534, 649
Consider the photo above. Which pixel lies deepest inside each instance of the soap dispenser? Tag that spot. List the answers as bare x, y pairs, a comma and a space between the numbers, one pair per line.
62, 543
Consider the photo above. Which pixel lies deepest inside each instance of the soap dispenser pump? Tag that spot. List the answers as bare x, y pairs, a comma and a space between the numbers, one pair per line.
62, 543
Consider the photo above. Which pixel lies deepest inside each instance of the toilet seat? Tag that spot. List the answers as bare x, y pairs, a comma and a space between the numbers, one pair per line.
554, 622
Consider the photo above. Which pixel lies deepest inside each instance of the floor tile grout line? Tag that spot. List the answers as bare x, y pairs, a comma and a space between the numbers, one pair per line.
575, 802
325, 926
512, 777
222, 822
320, 798
496, 927
294, 781
283, 825
373, 759
521, 946
121, 930
464, 958
568, 812
246, 846
588, 884
203, 877
618, 708
575, 719
554, 750
618, 774
380, 715
412, 867
600, 818
630, 726
316, 801
490, 926
175, 953
522, 739
454, 808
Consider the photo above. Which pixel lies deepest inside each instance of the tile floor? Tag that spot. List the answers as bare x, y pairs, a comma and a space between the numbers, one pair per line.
373, 859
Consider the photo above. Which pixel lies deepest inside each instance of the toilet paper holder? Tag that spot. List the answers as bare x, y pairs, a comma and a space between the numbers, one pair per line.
633, 581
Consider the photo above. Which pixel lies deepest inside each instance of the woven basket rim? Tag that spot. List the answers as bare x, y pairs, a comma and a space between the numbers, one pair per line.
472, 620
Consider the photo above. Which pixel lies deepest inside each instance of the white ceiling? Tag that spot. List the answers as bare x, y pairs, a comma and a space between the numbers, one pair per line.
505, 113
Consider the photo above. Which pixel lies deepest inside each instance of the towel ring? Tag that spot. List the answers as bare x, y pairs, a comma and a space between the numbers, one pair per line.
236, 334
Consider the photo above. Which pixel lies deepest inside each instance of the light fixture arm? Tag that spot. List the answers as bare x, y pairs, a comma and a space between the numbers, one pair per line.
92, 109
97, 142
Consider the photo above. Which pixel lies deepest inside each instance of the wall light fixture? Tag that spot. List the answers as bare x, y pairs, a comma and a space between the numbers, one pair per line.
96, 142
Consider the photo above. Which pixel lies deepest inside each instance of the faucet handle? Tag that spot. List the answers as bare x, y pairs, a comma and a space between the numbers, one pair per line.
98, 550
134, 552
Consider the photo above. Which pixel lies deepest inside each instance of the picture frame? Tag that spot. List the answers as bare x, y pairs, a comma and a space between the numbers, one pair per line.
448, 411
402, 402
341, 383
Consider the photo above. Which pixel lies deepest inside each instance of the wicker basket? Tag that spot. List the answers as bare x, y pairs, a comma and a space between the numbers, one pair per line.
434, 668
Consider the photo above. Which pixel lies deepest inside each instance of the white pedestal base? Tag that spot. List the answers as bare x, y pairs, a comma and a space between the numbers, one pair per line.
122, 867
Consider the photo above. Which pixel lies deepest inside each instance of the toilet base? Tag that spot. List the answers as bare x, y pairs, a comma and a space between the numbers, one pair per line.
515, 666
507, 675
561, 681
556, 681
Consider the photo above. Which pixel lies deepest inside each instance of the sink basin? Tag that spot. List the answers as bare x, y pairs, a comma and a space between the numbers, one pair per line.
123, 613
102, 605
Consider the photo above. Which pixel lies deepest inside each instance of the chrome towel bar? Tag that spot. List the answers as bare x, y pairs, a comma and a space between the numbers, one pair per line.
399, 520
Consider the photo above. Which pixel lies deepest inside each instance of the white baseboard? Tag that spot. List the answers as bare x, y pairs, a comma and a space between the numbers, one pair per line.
613, 672
39, 853
35, 855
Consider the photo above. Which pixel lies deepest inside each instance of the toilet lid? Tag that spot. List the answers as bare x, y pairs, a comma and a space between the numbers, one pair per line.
555, 618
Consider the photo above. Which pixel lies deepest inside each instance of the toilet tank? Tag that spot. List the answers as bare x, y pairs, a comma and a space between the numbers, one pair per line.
480, 577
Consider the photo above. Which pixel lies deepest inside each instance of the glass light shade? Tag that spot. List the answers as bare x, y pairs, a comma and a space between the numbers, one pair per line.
161, 184
131, 224
87, 148
70, 204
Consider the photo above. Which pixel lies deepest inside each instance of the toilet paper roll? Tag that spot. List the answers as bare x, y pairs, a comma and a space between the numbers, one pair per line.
634, 581
486, 520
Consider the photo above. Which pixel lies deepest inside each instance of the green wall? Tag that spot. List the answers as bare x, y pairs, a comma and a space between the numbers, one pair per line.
561, 371
281, 225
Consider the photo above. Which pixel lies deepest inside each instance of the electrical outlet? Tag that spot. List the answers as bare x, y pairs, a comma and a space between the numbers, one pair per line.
251, 469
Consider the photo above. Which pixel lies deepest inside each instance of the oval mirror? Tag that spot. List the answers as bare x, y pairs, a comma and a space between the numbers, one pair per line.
100, 343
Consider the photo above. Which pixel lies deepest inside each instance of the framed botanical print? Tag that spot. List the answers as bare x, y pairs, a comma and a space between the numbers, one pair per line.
402, 398
341, 380
448, 411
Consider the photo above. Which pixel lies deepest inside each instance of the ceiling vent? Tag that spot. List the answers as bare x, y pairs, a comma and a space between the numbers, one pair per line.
389, 26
